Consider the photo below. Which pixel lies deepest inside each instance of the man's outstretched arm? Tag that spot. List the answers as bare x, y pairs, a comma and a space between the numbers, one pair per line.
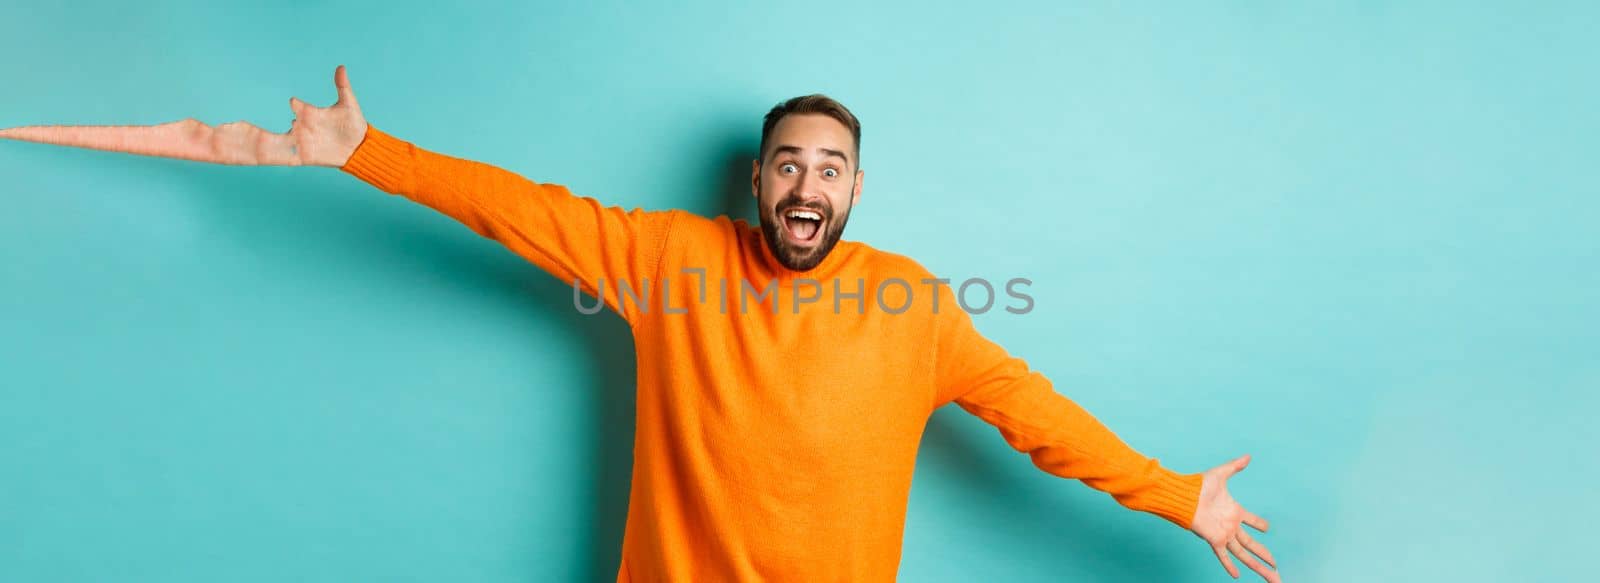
1064, 439
573, 238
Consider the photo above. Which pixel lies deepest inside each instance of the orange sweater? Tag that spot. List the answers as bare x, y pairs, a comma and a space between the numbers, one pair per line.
773, 446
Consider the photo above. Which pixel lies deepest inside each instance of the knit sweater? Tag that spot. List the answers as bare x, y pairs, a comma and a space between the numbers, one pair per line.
779, 412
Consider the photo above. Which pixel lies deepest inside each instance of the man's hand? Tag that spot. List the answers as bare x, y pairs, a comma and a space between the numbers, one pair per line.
318, 136
1218, 518
327, 136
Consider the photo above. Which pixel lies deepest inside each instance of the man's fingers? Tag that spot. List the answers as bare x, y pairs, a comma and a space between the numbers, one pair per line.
187, 140
1227, 563
1254, 565
1256, 547
1255, 522
230, 143
246, 144
341, 81
277, 150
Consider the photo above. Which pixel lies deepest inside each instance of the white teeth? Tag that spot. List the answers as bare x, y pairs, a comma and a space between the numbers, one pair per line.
804, 214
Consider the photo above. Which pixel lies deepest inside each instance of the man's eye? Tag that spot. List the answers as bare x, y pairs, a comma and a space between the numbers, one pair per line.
787, 168
830, 173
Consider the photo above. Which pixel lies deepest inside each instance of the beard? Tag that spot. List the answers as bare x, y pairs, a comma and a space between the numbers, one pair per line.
795, 257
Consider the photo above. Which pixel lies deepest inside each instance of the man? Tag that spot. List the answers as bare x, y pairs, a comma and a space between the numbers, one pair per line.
778, 423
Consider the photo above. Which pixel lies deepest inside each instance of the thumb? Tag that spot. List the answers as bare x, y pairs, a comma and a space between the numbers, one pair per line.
298, 106
1238, 464
341, 81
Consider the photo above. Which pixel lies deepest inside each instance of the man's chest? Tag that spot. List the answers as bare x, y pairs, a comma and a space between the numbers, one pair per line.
811, 379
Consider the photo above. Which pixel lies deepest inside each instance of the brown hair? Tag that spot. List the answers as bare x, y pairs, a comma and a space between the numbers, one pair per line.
814, 103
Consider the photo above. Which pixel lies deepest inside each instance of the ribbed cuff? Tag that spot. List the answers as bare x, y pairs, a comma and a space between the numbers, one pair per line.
381, 160
1174, 497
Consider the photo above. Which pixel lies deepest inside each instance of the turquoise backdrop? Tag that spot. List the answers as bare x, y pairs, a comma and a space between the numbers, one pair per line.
1355, 239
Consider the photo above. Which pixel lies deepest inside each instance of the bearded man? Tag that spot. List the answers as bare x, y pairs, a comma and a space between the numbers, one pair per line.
771, 444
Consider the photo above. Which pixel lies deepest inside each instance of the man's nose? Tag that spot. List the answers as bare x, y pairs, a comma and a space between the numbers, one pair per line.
808, 187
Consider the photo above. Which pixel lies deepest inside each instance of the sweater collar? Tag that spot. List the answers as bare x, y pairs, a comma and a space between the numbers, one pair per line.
839, 255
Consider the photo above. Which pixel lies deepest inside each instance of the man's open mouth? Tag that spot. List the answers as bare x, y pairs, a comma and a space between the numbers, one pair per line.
802, 225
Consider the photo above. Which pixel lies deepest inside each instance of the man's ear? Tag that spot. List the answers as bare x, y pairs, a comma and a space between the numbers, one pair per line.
855, 196
755, 178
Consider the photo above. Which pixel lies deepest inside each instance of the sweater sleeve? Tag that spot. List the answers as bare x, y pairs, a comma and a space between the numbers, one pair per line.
1060, 436
571, 237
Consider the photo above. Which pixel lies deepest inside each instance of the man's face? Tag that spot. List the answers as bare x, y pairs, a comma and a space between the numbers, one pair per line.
806, 188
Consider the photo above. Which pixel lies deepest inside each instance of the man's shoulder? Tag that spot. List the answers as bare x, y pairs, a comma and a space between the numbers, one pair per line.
691, 226
886, 264
695, 237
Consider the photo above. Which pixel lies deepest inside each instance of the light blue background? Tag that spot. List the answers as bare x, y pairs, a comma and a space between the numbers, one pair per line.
1357, 240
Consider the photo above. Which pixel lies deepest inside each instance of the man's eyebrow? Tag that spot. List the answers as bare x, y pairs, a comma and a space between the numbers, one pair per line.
797, 150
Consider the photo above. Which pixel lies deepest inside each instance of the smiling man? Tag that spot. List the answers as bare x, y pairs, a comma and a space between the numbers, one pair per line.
772, 445
797, 209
